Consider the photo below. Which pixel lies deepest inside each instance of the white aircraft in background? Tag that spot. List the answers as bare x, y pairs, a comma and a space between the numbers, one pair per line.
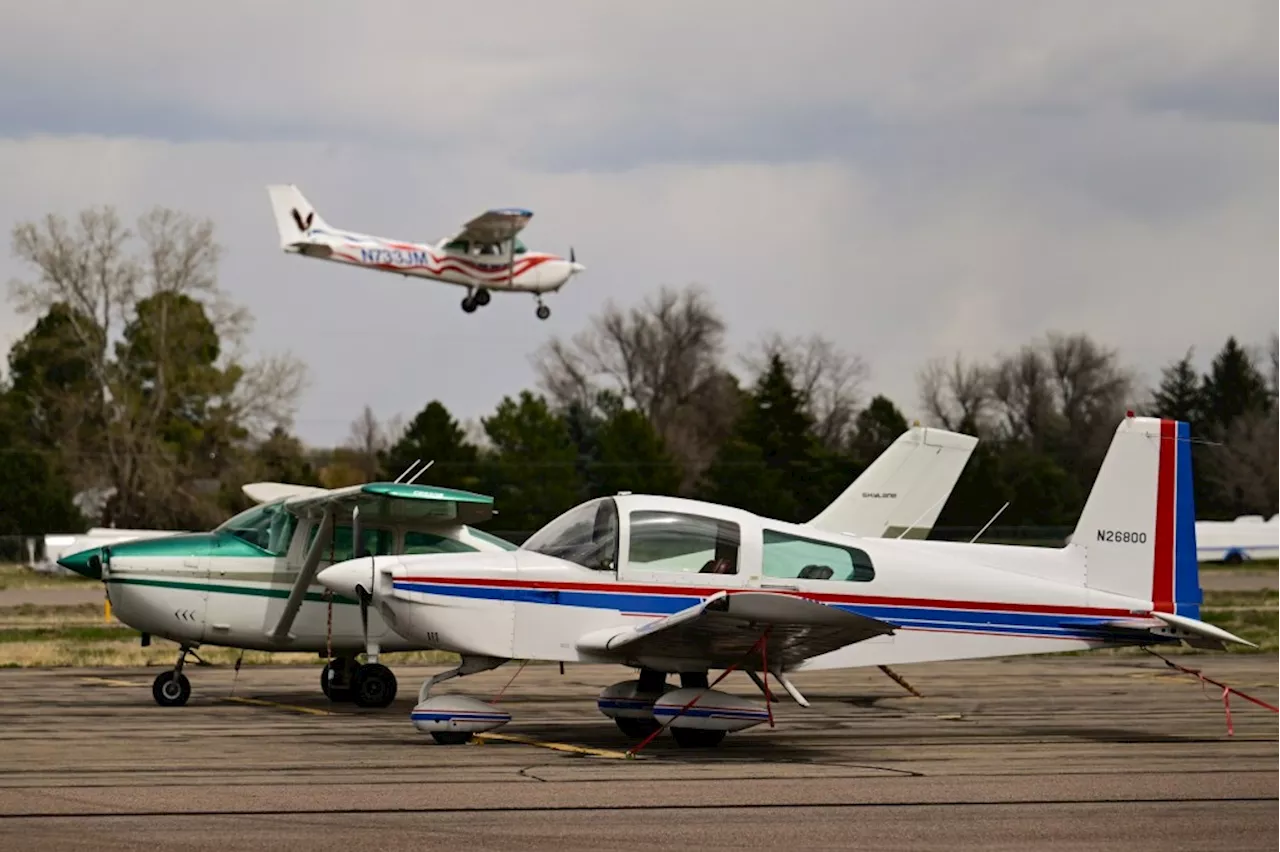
251, 582
485, 256
668, 585
1246, 538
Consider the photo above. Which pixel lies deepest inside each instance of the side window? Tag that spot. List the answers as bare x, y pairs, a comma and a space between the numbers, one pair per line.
340, 549
587, 535
789, 557
691, 544
425, 542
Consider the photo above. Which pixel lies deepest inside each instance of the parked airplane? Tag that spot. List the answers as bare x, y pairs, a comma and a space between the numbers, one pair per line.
1246, 538
484, 256
250, 582
668, 585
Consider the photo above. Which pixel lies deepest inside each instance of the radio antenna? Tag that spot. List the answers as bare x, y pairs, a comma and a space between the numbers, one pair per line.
419, 473
990, 522
407, 469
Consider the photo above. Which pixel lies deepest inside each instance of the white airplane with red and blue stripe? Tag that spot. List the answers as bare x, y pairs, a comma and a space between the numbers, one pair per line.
485, 255
669, 586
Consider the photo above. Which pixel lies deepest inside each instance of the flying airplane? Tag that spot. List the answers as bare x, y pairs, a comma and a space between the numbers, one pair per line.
672, 586
485, 255
250, 583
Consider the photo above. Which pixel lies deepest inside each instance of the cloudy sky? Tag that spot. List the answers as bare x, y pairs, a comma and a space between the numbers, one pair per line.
907, 178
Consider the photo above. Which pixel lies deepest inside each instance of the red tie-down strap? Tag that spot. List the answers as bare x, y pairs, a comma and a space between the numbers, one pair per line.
1226, 690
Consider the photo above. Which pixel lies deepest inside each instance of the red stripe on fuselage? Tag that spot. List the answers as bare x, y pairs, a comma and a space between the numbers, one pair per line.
823, 597
1162, 567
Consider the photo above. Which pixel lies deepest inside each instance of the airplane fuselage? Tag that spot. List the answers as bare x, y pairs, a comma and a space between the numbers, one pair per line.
523, 272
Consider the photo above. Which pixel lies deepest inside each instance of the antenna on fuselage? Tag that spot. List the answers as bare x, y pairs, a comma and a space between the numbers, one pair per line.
910, 526
409, 468
419, 473
990, 522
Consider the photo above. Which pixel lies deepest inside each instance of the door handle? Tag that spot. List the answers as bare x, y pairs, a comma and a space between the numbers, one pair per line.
786, 586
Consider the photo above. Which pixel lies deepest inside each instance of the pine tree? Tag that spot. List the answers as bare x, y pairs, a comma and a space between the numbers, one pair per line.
1180, 394
1233, 387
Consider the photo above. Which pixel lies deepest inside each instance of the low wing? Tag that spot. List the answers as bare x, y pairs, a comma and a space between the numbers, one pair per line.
722, 630
494, 226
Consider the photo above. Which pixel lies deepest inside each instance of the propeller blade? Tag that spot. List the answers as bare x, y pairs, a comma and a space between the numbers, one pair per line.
572, 257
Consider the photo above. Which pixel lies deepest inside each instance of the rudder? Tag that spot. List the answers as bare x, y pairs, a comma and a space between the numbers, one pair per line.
294, 215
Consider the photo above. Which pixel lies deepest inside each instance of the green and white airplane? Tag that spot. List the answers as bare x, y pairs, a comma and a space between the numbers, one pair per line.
251, 582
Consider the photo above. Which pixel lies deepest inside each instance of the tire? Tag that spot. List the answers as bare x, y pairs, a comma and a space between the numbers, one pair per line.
373, 685
543, 312
171, 689
636, 729
341, 693
469, 305
1235, 557
482, 297
451, 737
697, 737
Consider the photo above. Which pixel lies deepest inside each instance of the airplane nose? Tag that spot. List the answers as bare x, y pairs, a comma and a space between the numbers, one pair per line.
575, 267
342, 579
86, 563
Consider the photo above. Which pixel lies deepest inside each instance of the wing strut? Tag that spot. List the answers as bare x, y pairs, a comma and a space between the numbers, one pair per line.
308, 572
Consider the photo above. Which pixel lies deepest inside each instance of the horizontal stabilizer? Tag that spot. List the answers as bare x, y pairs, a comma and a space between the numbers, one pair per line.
1200, 628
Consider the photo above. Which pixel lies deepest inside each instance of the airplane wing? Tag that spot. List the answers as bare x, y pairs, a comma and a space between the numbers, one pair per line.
494, 226
722, 630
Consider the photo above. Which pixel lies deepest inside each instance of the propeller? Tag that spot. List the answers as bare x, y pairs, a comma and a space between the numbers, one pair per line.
572, 257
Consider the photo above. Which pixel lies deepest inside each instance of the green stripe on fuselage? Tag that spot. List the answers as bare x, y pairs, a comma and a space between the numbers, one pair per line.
217, 588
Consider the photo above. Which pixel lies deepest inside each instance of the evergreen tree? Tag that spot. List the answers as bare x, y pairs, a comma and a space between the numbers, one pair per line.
633, 457
35, 499
1233, 387
1179, 395
282, 458
435, 436
531, 471
876, 427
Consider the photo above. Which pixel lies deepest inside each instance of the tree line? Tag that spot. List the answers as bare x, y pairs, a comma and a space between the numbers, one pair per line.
133, 387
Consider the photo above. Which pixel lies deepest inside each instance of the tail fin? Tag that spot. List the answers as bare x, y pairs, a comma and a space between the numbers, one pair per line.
904, 489
294, 214
1138, 526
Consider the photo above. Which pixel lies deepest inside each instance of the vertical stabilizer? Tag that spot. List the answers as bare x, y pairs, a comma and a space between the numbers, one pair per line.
1138, 526
904, 489
294, 215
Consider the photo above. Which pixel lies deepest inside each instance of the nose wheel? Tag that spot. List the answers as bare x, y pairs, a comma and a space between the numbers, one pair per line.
543, 311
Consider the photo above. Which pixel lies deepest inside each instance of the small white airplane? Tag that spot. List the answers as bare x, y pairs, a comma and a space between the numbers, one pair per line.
668, 585
250, 583
1247, 538
485, 256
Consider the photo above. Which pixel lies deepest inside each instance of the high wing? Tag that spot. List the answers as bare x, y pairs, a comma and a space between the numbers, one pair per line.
722, 630
494, 226
395, 502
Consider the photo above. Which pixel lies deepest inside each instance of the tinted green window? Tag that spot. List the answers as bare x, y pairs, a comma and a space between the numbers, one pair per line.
339, 549
789, 557
675, 541
425, 542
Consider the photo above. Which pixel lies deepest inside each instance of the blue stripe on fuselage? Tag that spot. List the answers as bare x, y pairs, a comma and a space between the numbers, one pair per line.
658, 605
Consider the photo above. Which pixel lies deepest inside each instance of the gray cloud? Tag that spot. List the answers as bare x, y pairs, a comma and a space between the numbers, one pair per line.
907, 179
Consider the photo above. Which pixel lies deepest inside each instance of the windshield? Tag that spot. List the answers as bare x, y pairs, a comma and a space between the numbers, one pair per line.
587, 535
268, 527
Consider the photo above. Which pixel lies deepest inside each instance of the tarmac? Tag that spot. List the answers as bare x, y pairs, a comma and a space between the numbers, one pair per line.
1071, 752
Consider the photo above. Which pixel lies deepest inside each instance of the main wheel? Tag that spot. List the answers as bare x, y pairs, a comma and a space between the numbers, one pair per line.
451, 737
469, 305
543, 312
697, 737
482, 297
373, 686
342, 670
637, 729
171, 689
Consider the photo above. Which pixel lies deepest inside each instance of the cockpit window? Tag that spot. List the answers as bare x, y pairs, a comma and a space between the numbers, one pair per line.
268, 527
586, 534
675, 541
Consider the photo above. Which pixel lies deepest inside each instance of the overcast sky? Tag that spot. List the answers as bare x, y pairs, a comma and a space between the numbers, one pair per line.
907, 178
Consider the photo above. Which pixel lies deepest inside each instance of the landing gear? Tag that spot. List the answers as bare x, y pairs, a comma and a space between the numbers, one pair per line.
478, 299
543, 311
373, 686
451, 737
453, 719
697, 737
636, 729
336, 677
171, 688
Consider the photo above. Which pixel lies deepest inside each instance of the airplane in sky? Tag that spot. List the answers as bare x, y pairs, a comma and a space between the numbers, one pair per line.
672, 586
485, 255
250, 583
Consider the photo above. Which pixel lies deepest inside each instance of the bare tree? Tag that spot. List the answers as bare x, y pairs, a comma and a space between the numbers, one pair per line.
368, 440
661, 357
955, 395
1243, 469
1021, 389
90, 269
828, 380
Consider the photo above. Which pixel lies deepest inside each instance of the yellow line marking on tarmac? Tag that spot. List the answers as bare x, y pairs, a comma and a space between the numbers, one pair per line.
107, 681
277, 705
593, 752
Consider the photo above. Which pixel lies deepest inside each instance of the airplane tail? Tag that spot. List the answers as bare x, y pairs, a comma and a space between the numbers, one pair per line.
1138, 526
904, 489
294, 214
